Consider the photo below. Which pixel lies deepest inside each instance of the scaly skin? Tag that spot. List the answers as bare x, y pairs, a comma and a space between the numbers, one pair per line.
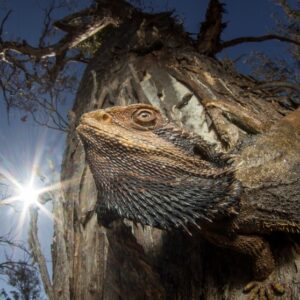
149, 171
150, 174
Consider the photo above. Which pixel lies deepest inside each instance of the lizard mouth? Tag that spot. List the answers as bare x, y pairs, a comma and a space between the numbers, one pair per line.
92, 133
83, 129
88, 131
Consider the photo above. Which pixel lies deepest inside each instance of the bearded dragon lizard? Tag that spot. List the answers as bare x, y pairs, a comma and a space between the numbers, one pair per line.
150, 171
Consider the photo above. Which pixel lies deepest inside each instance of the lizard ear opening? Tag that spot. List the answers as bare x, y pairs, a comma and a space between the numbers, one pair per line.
144, 118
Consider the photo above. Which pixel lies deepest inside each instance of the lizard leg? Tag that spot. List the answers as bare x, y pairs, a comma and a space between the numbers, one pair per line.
228, 118
263, 262
240, 116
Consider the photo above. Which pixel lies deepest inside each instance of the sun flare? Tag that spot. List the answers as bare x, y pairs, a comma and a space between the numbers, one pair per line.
32, 195
29, 180
29, 194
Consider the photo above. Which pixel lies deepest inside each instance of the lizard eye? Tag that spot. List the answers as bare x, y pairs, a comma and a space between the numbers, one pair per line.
144, 117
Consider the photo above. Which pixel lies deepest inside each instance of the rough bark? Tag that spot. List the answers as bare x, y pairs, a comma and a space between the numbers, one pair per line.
150, 59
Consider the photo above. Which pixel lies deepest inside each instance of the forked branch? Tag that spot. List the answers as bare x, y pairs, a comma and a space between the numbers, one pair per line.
209, 38
210, 32
255, 39
31, 72
70, 41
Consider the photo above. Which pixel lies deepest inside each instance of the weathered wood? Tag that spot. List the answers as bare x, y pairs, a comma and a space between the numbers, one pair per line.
150, 59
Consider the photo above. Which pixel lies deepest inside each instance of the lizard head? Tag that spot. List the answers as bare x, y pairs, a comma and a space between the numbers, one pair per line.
150, 171
131, 128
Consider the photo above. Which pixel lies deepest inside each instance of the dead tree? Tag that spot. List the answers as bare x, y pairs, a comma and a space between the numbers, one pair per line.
150, 58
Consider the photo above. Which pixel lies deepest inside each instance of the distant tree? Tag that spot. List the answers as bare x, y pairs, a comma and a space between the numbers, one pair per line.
4, 295
281, 74
20, 274
23, 277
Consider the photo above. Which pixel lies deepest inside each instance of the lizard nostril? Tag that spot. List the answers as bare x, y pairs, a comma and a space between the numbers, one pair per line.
106, 117
100, 116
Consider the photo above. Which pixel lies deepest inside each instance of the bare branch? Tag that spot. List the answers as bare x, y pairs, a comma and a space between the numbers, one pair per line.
209, 36
7, 240
47, 23
277, 85
36, 79
67, 23
255, 39
3, 23
292, 13
104, 16
10, 265
66, 43
5, 97
46, 124
37, 253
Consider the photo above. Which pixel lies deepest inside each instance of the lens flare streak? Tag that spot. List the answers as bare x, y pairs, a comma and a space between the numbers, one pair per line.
30, 196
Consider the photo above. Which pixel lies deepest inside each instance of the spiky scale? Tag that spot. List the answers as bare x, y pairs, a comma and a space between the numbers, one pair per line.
160, 175
192, 178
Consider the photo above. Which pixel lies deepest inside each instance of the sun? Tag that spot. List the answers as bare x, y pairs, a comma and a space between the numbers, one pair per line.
29, 194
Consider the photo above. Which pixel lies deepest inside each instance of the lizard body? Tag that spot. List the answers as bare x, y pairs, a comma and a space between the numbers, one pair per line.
149, 171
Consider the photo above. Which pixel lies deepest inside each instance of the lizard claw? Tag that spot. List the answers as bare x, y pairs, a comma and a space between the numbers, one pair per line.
263, 290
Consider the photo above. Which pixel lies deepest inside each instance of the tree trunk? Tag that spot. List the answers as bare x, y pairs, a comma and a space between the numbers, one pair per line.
150, 59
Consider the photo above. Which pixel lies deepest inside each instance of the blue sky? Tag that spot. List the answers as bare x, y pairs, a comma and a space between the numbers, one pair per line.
20, 141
